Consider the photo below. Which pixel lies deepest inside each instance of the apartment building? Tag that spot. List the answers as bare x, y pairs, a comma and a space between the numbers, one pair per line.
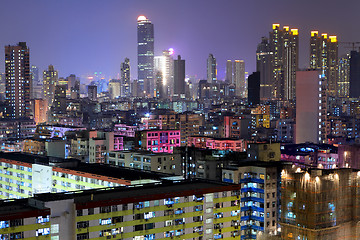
260, 193
182, 210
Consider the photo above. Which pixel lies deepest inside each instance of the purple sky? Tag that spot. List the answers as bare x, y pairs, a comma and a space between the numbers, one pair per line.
84, 36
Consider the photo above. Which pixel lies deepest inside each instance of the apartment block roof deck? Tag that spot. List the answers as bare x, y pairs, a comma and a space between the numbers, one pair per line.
121, 195
117, 172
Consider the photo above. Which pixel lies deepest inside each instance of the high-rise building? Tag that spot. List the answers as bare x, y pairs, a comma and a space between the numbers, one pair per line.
239, 78
343, 83
115, 88
92, 92
310, 107
179, 77
354, 74
34, 74
125, 78
284, 46
254, 88
50, 78
229, 71
39, 110
160, 88
324, 57
18, 81
165, 65
264, 66
59, 105
211, 69
145, 36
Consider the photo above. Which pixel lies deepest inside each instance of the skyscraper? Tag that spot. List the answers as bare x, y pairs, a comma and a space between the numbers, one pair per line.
125, 78
310, 107
211, 69
344, 76
179, 77
34, 74
264, 66
354, 74
324, 57
165, 65
229, 71
50, 78
284, 44
160, 88
254, 89
145, 36
239, 78
18, 81
92, 92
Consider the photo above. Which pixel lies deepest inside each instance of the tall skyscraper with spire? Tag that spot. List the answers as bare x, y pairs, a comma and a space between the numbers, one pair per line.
18, 81
125, 78
211, 69
145, 37
324, 57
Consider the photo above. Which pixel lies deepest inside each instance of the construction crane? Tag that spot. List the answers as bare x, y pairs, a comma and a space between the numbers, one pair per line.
352, 44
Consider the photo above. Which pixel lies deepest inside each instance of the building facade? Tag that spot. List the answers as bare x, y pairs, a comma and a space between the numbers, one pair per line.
145, 40
18, 81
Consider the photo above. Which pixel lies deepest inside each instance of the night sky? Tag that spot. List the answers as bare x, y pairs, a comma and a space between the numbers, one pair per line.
84, 36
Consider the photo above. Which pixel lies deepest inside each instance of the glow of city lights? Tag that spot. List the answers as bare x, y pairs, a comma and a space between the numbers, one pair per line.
171, 51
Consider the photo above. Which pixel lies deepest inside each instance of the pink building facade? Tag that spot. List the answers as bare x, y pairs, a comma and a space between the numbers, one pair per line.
160, 140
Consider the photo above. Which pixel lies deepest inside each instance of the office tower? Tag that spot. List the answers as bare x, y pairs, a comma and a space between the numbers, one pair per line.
354, 74
344, 77
145, 36
254, 89
18, 81
50, 79
284, 46
125, 78
92, 92
229, 72
264, 66
114, 88
160, 88
310, 107
179, 77
211, 69
165, 64
239, 78
324, 57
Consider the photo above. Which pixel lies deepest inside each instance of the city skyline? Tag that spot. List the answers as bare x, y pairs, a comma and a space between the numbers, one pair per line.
98, 36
